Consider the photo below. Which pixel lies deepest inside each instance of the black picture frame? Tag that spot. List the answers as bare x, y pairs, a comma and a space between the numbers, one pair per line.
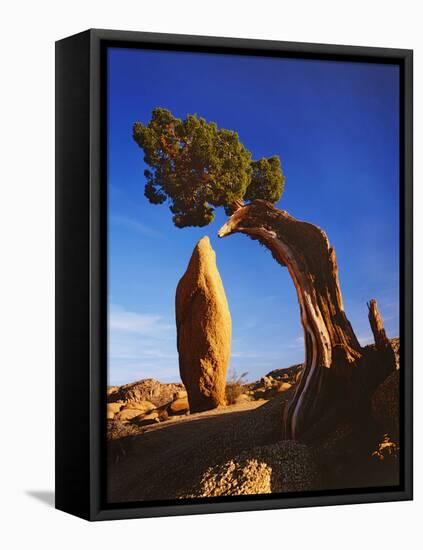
81, 271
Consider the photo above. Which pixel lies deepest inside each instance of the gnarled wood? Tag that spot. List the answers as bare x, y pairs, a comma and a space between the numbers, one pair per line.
332, 352
376, 324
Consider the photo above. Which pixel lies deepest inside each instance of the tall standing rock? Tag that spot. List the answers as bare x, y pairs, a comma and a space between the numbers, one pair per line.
203, 325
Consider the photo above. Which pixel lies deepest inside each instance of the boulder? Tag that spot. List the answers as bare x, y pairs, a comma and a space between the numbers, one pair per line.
148, 389
127, 414
284, 386
147, 419
395, 342
140, 406
203, 325
290, 374
113, 408
387, 449
266, 382
259, 393
163, 414
179, 406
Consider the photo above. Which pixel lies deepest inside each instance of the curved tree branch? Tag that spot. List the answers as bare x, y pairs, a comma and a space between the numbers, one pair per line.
332, 351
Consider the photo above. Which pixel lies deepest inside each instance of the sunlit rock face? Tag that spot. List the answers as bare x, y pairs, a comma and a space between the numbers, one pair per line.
203, 324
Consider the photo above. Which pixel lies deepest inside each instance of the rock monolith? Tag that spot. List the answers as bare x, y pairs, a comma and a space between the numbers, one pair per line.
203, 324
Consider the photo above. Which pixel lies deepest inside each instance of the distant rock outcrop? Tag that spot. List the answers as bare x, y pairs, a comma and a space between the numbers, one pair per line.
203, 326
144, 390
291, 374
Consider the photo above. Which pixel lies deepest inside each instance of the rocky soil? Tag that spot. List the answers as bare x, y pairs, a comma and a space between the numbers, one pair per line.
158, 450
133, 407
285, 466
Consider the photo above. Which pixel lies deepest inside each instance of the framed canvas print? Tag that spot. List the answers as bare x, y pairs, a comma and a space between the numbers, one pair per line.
234, 274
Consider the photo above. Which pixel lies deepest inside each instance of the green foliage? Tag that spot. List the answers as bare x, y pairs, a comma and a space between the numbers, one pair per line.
267, 181
198, 167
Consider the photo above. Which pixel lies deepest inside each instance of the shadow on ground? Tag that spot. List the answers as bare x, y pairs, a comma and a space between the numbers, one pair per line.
168, 462
46, 497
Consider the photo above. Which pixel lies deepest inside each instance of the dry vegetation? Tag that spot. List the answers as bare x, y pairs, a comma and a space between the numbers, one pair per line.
235, 386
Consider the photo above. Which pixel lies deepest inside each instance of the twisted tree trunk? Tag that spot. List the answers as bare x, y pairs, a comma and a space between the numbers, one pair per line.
332, 375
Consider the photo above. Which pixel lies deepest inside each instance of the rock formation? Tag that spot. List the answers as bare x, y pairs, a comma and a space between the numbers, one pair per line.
203, 325
285, 466
144, 390
179, 406
338, 373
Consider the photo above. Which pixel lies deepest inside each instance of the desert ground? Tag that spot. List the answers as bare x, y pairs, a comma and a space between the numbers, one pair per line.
157, 450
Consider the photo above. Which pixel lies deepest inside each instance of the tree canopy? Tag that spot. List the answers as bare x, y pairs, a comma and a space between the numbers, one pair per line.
197, 167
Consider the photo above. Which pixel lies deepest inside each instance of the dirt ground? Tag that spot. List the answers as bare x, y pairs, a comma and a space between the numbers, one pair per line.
168, 459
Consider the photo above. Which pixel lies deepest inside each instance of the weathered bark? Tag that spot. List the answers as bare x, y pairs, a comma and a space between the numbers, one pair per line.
380, 360
333, 355
234, 206
376, 324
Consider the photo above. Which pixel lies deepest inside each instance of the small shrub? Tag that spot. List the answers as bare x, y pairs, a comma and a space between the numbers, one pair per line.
234, 386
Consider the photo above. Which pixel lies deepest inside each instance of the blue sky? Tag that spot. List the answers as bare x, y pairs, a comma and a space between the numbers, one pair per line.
335, 126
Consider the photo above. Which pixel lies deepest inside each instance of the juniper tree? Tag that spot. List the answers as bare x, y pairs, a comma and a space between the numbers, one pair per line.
197, 166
